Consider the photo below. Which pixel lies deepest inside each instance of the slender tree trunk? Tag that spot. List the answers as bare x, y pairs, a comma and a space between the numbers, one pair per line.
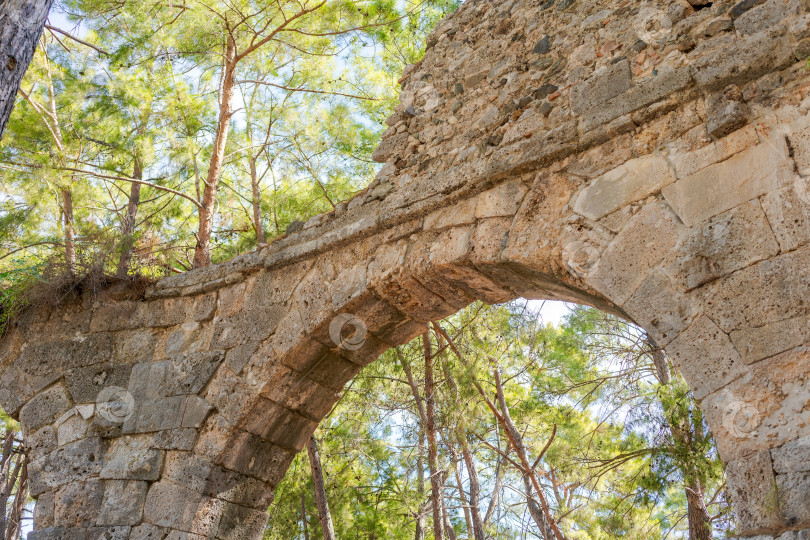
128, 226
419, 533
461, 494
70, 238
433, 450
257, 202
14, 528
5, 475
496, 490
448, 527
699, 520
202, 251
544, 520
320, 490
304, 515
20, 29
475, 489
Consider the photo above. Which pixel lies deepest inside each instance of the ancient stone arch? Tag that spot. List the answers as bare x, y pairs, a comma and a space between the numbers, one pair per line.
648, 160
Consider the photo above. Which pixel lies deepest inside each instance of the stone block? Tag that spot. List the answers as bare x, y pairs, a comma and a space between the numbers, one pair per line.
132, 458
725, 185
123, 502
461, 213
114, 316
659, 308
250, 455
192, 371
279, 425
503, 200
792, 457
44, 408
240, 523
745, 60
788, 211
147, 531
762, 293
800, 144
15, 390
172, 505
391, 147
72, 428
762, 342
793, 489
41, 442
134, 347
238, 489
84, 384
726, 117
668, 80
630, 182
195, 411
753, 490
175, 439
642, 245
46, 362
73, 462
721, 245
705, 357
605, 83
78, 504
767, 15
44, 510
156, 415
687, 163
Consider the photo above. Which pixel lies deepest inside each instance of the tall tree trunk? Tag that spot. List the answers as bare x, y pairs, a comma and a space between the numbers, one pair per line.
419, 532
475, 489
202, 251
257, 202
461, 494
433, 449
496, 490
448, 527
70, 237
128, 226
320, 490
699, 520
544, 520
304, 515
20, 29
14, 528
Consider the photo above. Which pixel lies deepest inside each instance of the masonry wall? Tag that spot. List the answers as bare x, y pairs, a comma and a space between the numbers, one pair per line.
649, 160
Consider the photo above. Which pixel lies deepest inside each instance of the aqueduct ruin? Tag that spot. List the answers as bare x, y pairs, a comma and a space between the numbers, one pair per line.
648, 160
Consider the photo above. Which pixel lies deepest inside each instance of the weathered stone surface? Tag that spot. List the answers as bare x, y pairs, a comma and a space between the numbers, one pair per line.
132, 458
788, 211
721, 245
642, 245
723, 186
754, 492
123, 502
792, 457
606, 83
705, 374
630, 182
45, 408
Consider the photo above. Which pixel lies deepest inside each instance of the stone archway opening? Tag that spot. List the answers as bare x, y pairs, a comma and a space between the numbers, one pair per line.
552, 151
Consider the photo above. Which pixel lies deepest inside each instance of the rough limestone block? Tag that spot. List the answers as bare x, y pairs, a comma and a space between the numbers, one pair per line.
71, 463
642, 245
132, 458
725, 185
771, 339
252, 456
240, 523
172, 505
687, 163
156, 415
44, 408
44, 510
667, 81
45, 362
745, 60
726, 116
147, 531
766, 15
721, 245
759, 294
85, 384
788, 212
195, 412
659, 308
78, 504
72, 428
390, 147
118, 316
279, 425
503, 200
792, 457
238, 489
15, 390
605, 83
794, 493
800, 143
753, 490
705, 357
630, 182
123, 502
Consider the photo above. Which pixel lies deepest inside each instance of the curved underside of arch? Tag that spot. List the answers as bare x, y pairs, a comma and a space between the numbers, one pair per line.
646, 160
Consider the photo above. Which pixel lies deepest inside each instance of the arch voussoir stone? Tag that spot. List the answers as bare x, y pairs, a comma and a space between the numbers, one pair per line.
649, 160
